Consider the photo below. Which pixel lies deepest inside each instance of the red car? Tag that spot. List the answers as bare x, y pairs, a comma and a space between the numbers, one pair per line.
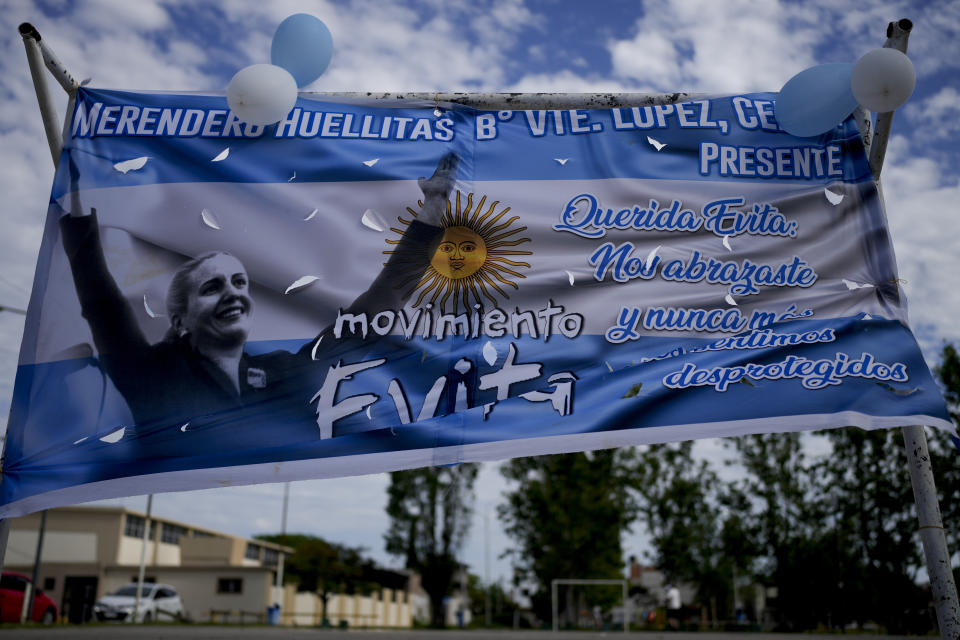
12, 588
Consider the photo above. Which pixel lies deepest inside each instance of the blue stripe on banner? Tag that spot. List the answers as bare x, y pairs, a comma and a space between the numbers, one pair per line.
581, 386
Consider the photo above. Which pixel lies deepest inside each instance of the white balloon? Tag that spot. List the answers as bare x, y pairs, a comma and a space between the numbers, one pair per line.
883, 79
262, 94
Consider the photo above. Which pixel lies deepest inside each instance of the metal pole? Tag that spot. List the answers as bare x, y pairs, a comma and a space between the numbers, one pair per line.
50, 60
286, 503
143, 558
486, 565
36, 563
4, 536
934, 541
942, 585
38, 56
521, 101
553, 602
283, 531
51, 123
897, 35
626, 614
280, 558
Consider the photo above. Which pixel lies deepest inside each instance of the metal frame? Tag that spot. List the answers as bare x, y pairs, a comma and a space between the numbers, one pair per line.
39, 55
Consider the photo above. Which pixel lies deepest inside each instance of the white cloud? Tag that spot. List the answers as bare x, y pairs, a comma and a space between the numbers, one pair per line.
937, 115
703, 46
921, 209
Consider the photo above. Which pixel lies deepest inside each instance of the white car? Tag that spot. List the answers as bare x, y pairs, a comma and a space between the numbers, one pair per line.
158, 603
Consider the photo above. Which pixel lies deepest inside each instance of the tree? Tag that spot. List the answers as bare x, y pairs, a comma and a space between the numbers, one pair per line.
787, 524
695, 524
837, 534
868, 488
566, 515
324, 567
502, 605
430, 512
944, 451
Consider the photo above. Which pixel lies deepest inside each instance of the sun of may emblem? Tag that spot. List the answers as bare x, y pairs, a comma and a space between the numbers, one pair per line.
472, 259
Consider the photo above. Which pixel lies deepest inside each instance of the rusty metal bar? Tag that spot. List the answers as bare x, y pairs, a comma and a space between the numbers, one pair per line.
51, 122
897, 35
521, 101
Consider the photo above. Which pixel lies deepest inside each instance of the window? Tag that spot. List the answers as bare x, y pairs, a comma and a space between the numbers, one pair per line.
229, 585
146, 580
253, 551
14, 583
202, 534
130, 590
270, 556
172, 533
49, 584
134, 526
163, 592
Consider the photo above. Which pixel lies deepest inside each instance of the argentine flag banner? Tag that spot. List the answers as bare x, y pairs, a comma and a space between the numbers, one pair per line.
374, 285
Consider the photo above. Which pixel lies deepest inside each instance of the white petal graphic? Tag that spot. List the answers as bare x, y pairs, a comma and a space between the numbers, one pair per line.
369, 416
80, 440
372, 162
373, 220
730, 300
490, 353
131, 165
833, 197
562, 161
209, 219
310, 217
855, 285
183, 429
570, 277
300, 283
313, 352
867, 316
293, 177
726, 243
609, 368
651, 257
150, 312
223, 155
114, 436
656, 143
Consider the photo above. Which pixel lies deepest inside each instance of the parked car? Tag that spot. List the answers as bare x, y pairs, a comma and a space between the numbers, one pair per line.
158, 603
13, 587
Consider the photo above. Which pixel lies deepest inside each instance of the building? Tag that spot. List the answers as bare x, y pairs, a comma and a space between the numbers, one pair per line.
90, 551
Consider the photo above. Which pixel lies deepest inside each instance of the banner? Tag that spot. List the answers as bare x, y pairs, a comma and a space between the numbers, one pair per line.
376, 285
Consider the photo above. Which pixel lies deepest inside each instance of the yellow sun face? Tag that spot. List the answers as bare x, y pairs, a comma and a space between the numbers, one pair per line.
473, 260
461, 253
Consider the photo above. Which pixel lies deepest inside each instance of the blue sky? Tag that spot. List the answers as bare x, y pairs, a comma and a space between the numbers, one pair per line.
704, 46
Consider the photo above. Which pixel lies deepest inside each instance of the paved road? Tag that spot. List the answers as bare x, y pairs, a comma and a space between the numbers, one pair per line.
222, 632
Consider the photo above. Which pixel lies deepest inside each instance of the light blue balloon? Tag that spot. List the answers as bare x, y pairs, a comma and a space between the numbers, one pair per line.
303, 46
816, 100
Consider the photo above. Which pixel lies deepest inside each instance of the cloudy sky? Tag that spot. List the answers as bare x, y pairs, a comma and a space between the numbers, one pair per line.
483, 45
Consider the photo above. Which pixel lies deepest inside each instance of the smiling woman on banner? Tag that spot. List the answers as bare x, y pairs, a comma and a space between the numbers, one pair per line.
200, 369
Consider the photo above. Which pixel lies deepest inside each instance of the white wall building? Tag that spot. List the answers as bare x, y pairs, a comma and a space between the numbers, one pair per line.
90, 551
